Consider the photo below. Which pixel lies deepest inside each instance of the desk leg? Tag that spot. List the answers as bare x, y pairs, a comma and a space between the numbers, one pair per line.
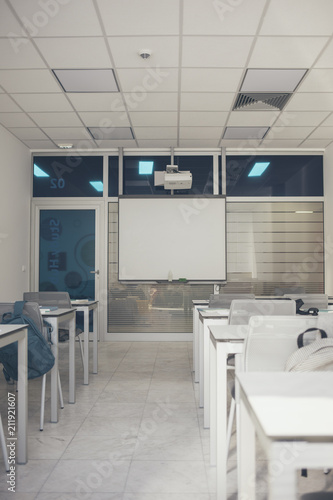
221, 420
246, 460
54, 372
281, 475
71, 325
196, 344
212, 402
22, 410
201, 367
86, 346
206, 396
95, 340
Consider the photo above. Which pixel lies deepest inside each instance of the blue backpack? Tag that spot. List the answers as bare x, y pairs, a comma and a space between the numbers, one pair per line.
40, 356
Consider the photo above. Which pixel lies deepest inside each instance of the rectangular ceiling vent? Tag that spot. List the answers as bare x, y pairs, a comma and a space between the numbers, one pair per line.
261, 101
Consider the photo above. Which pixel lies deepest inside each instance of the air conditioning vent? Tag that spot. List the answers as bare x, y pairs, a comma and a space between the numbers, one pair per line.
261, 101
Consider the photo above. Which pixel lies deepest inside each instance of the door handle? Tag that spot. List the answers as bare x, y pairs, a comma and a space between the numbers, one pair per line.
94, 272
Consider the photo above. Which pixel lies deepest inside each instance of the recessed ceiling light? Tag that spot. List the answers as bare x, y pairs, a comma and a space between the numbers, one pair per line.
38, 172
86, 80
272, 80
245, 132
146, 167
304, 212
107, 133
65, 146
258, 168
98, 185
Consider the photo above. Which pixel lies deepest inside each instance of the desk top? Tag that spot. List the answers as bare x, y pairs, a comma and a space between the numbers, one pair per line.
8, 329
229, 333
290, 405
56, 312
213, 313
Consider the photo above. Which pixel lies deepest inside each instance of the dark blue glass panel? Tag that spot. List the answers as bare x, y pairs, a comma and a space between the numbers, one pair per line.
135, 183
67, 252
62, 176
286, 175
113, 176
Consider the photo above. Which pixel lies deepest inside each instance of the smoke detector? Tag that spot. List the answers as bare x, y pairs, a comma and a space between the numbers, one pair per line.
145, 53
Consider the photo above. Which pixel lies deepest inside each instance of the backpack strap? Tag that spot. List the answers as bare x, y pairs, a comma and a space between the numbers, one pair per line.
18, 307
300, 338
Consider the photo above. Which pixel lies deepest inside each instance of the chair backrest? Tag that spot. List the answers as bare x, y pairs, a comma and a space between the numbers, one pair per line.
271, 340
223, 300
319, 300
59, 299
31, 309
242, 310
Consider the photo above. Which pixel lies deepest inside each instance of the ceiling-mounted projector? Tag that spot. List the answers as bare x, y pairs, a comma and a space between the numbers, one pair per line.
172, 178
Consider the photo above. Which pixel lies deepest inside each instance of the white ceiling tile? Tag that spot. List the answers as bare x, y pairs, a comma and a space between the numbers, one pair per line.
154, 119
157, 143
29, 80
9, 26
286, 52
22, 55
329, 121
325, 60
151, 101
106, 144
302, 118
203, 118
322, 133
156, 133
280, 143
80, 52
289, 132
201, 143
240, 143
56, 119
66, 133
43, 102
299, 17
210, 80
318, 80
111, 133
7, 104
215, 52
148, 80
272, 79
39, 144
104, 119
249, 118
156, 17
316, 143
100, 101
250, 132
203, 101
16, 120
311, 102
58, 18
200, 132
164, 51
221, 17
29, 133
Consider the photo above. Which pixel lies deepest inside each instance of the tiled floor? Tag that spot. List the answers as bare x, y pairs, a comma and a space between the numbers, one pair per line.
135, 433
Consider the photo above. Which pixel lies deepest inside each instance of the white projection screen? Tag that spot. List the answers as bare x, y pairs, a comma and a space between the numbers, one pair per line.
172, 238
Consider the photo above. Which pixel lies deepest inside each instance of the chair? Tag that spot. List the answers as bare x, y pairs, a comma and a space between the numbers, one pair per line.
319, 300
3, 446
240, 313
61, 300
223, 300
31, 309
318, 495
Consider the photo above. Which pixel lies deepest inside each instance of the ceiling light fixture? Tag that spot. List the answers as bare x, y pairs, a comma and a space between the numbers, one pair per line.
38, 172
65, 146
258, 169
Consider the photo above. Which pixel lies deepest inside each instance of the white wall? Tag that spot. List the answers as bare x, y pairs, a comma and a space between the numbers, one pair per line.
15, 195
328, 219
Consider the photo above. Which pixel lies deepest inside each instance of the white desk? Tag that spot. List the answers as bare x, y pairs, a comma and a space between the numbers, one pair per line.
55, 318
291, 413
207, 318
8, 335
87, 306
224, 340
202, 304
